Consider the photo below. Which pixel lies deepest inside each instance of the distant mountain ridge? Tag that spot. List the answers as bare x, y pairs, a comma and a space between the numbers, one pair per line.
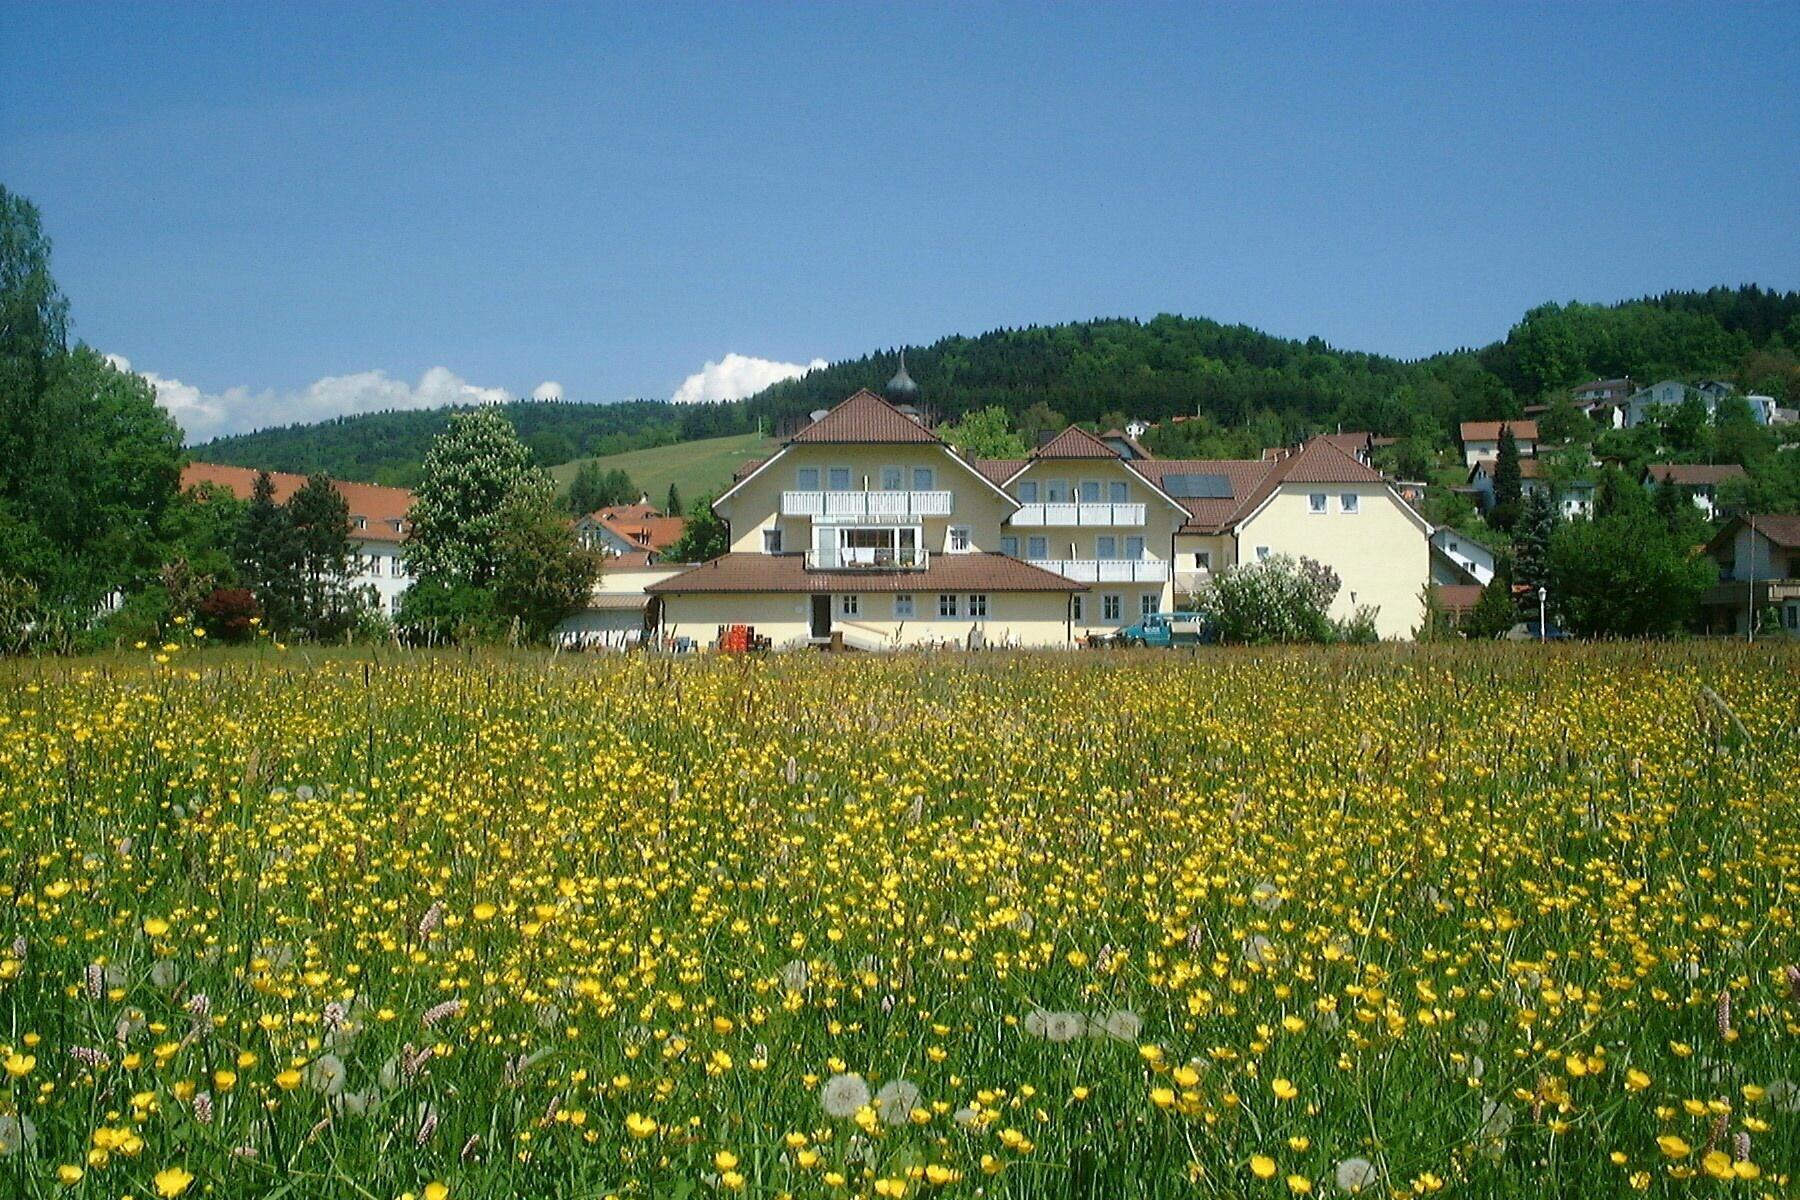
1271, 389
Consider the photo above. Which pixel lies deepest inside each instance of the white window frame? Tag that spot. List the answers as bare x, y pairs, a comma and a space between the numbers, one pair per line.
849, 604
1203, 560
1112, 607
978, 605
1028, 491
959, 534
772, 540
903, 606
802, 474
1349, 503
831, 474
1009, 545
1262, 553
1318, 503
1089, 486
1149, 604
897, 474
947, 607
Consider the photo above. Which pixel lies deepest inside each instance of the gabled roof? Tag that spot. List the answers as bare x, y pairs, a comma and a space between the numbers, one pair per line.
377, 514
1209, 513
1318, 461
1693, 474
998, 470
1783, 529
1075, 442
788, 573
1489, 431
865, 417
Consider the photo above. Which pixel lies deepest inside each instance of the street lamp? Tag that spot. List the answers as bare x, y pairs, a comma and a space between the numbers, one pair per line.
1542, 632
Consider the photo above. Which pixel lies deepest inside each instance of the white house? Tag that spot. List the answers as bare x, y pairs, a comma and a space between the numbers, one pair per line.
1700, 482
1481, 439
1457, 558
378, 524
1657, 399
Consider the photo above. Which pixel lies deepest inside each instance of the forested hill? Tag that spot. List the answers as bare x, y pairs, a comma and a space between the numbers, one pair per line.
389, 447
1257, 389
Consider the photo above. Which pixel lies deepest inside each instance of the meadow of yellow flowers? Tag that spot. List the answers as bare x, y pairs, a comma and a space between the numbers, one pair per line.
1488, 921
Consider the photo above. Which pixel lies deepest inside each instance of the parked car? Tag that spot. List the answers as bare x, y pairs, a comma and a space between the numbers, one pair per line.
1527, 631
1168, 630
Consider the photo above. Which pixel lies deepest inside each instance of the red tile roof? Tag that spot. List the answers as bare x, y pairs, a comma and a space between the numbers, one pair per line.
788, 573
381, 510
1075, 442
1457, 597
866, 417
998, 470
641, 524
1489, 431
1209, 514
1693, 474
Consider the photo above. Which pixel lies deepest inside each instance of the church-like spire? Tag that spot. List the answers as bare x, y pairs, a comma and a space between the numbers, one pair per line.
901, 389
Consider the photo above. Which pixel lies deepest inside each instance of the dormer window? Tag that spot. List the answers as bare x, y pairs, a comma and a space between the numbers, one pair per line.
362, 522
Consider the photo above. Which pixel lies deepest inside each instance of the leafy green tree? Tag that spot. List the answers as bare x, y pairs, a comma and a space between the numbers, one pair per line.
1625, 577
1687, 430
1508, 482
1276, 599
544, 574
201, 528
1037, 420
705, 536
1563, 422
321, 520
268, 557
472, 472
986, 433
440, 612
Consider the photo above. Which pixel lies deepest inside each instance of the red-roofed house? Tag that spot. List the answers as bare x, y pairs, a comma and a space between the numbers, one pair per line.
866, 527
378, 522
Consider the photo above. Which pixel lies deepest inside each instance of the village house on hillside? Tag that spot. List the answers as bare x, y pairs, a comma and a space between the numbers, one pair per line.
1700, 482
1759, 572
867, 528
378, 523
625, 529
1481, 439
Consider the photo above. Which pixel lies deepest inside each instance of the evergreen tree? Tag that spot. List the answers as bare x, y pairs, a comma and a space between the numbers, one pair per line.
672, 506
1507, 482
473, 470
268, 557
1495, 612
321, 521
705, 537
1531, 540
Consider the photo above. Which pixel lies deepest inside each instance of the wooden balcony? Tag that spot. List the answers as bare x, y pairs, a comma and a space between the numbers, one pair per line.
1107, 570
864, 506
1036, 516
868, 558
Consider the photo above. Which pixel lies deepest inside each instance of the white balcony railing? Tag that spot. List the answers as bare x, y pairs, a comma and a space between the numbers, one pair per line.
1035, 515
867, 558
864, 505
1107, 570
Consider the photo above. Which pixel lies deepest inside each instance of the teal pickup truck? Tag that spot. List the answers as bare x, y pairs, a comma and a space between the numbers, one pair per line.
1168, 630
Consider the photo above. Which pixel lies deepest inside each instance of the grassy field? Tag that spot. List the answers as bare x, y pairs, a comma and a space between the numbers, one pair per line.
695, 467
1486, 920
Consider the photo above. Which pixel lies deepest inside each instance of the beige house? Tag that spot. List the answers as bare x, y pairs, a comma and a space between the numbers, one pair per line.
1481, 439
868, 529
1759, 572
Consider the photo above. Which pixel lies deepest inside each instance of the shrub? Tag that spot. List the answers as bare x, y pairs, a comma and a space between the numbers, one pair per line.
230, 614
434, 612
1277, 599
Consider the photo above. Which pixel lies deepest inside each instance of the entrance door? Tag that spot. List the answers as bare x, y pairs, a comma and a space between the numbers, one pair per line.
821, 616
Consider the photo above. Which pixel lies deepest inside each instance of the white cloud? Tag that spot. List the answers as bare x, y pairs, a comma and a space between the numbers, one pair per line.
736, 376
547, 390
204, 415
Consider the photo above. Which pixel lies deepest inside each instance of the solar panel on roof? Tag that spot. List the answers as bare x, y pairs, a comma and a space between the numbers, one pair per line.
1198, 487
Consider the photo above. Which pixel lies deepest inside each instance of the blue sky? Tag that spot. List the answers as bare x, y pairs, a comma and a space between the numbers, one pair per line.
297, 209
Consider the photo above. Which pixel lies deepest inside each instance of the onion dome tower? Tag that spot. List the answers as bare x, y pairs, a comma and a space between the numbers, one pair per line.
901, 389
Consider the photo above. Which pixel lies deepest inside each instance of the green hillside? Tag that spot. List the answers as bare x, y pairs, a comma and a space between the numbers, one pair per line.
1255, 389
695, 468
